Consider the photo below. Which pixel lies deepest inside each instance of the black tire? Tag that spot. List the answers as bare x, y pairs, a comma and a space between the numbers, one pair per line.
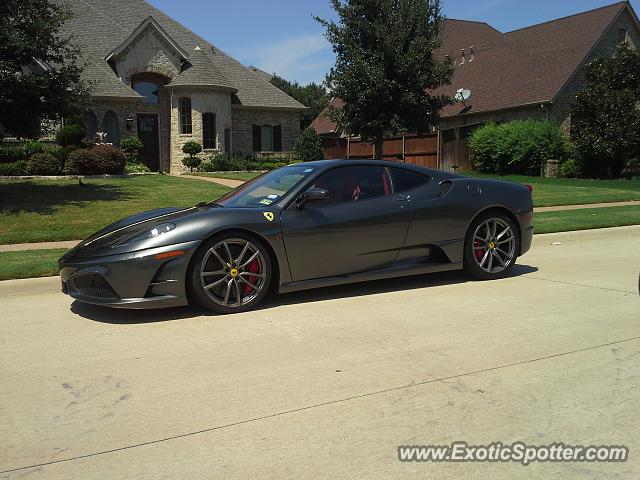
476, 258
213, 298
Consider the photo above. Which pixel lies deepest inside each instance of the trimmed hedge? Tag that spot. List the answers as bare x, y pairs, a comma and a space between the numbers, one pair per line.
518, 147
99, 160
44, 163
222, 163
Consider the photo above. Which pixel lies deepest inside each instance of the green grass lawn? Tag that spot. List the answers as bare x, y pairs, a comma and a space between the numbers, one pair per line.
243, 176
586, 218
29, 263
50, 210
570, 191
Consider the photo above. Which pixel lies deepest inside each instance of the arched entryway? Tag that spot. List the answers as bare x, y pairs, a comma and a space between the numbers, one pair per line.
111, 126
152, 118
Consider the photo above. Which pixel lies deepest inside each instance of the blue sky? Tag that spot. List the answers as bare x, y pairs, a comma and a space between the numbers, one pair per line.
281, 35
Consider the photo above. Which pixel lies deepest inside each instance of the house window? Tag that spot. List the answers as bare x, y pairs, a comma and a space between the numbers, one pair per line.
148, 90
208, 131
185, 115
111, 126
267, 138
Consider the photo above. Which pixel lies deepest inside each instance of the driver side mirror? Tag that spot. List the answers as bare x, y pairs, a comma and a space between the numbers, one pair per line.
312, 195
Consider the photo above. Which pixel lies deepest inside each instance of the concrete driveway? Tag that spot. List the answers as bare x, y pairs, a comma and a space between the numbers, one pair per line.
327, 384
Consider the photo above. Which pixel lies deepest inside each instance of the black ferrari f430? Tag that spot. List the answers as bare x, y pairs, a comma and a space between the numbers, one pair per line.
302, 226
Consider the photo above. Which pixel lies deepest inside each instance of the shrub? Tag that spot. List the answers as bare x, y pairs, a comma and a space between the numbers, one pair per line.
132, 147
308, 146
63, 152
13, 168
192, 148
191, 162
99, 160
518, 147
70, 135
15, 153
44, 163
136, 167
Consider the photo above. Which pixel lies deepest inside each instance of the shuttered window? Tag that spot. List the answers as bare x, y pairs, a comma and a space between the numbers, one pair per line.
208, 131
267, 138
184, 107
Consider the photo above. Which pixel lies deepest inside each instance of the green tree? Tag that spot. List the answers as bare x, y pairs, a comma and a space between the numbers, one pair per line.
386, 67
40, 73
311, 95
308, 146
606, 114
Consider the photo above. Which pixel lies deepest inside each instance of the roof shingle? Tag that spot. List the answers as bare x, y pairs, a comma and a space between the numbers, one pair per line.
99, 26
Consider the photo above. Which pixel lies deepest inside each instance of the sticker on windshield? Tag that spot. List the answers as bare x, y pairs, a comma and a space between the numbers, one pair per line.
308, 170
272, 196
266, 201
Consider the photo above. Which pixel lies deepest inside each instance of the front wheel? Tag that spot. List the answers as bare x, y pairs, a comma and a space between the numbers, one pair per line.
230, 273
491, 246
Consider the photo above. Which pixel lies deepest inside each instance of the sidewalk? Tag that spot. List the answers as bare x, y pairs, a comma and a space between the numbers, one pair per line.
17, 247
227, 182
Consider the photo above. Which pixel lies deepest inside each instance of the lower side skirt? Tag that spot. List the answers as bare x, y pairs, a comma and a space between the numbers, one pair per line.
391, 272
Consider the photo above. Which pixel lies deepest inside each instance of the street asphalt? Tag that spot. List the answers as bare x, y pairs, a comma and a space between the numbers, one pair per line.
328, 383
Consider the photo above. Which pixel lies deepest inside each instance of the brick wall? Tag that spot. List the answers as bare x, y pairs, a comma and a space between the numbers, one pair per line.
244, 119
202, 101
149, 52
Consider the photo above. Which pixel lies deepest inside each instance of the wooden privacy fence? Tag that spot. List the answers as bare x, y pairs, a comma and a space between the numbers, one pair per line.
419, 150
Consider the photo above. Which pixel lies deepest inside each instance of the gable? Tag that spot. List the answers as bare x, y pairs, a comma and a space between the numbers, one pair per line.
147, 49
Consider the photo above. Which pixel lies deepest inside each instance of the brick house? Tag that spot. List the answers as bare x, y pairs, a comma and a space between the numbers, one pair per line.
154, 78
530, 73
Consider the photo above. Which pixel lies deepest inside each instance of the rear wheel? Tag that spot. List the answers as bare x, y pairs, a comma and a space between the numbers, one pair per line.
491, 247
231, 273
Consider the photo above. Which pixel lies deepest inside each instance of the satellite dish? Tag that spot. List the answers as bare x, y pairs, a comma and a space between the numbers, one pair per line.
462, 95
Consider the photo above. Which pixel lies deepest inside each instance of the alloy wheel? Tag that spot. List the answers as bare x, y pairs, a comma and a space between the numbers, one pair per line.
494, 245
233, 272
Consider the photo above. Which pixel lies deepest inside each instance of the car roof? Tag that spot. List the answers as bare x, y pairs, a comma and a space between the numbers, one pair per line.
324, 164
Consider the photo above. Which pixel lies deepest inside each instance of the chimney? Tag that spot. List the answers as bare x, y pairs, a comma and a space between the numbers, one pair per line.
463, 57
471, 56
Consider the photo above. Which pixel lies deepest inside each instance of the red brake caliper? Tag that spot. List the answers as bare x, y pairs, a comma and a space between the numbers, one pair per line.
254, 267
478, 249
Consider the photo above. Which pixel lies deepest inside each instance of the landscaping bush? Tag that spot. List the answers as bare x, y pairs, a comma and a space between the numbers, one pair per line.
63, 152
136, 167
99, 160
44, 163
132, 147
192, 148
70, 135
13, 168
15, 153
518, 147
308, 146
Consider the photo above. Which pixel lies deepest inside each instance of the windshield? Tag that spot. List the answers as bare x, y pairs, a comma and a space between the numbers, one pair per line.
266, 189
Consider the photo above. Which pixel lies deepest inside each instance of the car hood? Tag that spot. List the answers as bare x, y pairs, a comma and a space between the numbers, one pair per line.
127, 226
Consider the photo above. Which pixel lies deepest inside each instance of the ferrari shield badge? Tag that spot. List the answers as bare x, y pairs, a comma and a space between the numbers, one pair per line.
268, 216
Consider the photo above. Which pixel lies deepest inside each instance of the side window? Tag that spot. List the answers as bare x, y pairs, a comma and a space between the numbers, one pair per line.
404, 180
354, 184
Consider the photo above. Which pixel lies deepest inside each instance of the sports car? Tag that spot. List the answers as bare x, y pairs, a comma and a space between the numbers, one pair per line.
303, 226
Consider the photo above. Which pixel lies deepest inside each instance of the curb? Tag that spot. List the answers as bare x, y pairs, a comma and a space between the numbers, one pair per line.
29, 286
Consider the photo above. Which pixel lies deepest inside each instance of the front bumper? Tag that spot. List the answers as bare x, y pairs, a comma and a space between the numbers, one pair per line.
139, 280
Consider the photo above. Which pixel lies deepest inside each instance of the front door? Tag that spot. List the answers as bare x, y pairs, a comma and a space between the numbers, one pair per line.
360, 227
148, 135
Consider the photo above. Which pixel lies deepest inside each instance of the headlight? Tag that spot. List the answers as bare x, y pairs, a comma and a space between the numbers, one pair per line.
152, 232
